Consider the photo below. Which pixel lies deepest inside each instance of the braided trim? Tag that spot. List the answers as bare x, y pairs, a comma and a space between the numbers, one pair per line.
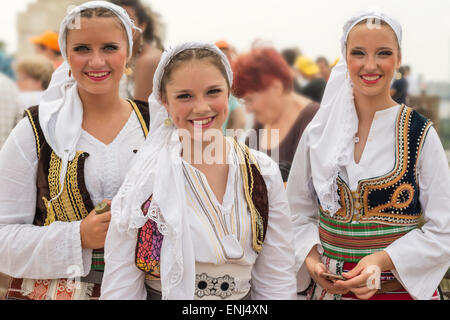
33, 125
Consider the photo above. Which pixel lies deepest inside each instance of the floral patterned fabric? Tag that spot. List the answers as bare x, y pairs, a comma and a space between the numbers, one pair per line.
148, 248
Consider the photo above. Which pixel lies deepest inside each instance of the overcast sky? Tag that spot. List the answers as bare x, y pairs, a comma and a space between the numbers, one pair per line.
314, 26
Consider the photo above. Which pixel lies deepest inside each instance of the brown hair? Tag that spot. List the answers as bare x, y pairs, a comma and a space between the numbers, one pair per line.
38, 68
190, 55
144, 15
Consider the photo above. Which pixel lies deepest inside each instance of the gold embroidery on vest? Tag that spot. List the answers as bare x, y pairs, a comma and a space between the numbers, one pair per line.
344, 213
355, 205
244, 154
402, 161
140, 118
33, 125
69, 206
395, 201
419, 148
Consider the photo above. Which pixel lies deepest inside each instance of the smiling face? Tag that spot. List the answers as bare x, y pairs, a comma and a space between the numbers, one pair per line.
373, 55
97, 54
196, 96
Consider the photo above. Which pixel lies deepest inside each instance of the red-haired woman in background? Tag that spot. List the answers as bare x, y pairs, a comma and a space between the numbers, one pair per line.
264, 81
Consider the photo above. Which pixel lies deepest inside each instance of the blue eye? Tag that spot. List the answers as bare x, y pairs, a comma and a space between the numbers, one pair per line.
357, 53
214, 91
111, 47
81, 48
184, 96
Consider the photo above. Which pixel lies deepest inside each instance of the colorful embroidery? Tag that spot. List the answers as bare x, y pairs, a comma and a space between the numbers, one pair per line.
366, 223
400, 187
247, 163
59, 289
148, 249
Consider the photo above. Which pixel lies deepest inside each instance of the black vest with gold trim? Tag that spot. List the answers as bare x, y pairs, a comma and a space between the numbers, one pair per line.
382, 209
74, 203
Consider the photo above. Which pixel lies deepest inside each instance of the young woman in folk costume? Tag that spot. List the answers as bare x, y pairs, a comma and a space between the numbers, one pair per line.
365, 172
82, 137
199, 216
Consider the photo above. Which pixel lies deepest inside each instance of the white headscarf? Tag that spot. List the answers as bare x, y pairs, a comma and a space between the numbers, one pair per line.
158, 172
333, 129
61, 110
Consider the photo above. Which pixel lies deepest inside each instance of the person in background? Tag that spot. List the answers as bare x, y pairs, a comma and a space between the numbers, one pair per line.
413, 82
399, 89
264, 81
324, 67
11, 107
33, 77
236, 116
315, 84
227, 49
137, 82
290, 55
47, 45
6, 66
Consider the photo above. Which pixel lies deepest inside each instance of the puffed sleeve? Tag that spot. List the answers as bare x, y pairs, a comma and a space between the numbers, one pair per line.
26, 250
304, 211
422, 257
273, 275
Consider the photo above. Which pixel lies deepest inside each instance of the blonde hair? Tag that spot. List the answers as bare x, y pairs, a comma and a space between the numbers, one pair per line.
38, 68
101, 13
380, 22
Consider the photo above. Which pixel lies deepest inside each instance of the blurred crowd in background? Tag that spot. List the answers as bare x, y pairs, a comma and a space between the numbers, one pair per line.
254, 103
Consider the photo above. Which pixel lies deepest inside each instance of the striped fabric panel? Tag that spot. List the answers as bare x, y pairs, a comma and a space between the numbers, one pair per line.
98, 263
351, 242
361, 229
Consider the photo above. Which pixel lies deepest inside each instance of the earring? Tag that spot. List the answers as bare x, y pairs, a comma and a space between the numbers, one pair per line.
70, 73
168, 122
128, 71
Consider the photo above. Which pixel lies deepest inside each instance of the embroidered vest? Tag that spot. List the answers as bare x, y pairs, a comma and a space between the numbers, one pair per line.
149, 240
74, 203
382, 209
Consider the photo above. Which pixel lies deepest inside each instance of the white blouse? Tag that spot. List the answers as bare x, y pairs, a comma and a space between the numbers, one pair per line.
272, 270
422, 256
54, 251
